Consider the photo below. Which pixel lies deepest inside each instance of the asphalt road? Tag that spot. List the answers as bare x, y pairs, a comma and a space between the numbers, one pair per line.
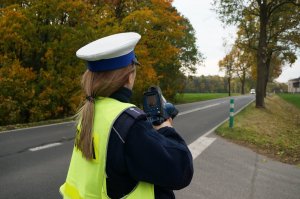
229, 171
34, 162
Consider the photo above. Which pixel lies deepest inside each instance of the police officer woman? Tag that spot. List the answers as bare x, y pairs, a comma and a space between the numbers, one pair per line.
117, 153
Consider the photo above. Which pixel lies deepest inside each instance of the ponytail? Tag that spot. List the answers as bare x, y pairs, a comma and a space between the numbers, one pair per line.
96, 84
83, 139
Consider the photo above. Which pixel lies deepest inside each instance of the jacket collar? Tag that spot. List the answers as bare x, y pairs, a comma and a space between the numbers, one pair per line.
123, 94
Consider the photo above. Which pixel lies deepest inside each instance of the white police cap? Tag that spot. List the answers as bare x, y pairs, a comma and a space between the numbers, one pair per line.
110, 53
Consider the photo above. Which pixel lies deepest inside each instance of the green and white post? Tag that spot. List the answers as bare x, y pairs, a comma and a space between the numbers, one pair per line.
231, 113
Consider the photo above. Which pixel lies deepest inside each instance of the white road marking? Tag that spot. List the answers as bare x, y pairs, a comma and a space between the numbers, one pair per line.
196, 148
198, 109
45, 146
199, 145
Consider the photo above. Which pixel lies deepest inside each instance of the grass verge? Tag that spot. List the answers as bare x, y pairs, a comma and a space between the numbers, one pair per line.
273, 131
195, 97
27, 125
291, 98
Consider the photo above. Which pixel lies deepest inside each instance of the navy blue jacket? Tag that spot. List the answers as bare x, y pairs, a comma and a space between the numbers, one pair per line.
159, 157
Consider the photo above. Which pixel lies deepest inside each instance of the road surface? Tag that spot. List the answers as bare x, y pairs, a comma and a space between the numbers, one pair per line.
34, 161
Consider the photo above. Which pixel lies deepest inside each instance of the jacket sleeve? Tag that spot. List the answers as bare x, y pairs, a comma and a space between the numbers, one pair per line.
158, 157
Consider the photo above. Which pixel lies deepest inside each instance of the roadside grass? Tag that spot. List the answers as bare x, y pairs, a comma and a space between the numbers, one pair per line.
33, 124
195, 97
274, 131
291, 98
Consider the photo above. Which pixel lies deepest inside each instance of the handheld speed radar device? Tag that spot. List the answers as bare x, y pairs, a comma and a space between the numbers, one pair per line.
156, 107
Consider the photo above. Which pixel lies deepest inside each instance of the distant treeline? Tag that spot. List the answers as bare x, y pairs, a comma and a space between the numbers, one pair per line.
214, 84
217, 84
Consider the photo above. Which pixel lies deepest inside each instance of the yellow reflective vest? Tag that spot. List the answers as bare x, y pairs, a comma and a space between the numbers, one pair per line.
87, 179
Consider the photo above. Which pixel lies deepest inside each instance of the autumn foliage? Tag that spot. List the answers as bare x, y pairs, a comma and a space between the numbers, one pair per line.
39, 72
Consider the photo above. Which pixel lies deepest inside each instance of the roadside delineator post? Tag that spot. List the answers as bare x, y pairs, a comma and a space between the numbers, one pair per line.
231, 113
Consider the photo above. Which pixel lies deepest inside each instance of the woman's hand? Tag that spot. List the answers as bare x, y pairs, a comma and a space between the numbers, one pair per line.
168, 123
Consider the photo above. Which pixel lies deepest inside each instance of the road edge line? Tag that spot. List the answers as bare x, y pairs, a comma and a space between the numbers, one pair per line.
204, 136
46, 125
218, 125
35, 127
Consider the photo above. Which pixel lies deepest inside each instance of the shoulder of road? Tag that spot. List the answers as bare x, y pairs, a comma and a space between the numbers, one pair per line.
273, 131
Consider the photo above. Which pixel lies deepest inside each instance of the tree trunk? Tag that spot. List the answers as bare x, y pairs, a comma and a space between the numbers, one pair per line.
229, 86
267, 74
243, 79
243, 88
261, 55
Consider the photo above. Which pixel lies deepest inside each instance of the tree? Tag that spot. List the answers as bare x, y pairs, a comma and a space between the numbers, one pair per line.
43, 36
277, 22
227, 64
169, 40
278, 51
16, 93
276, 87
242, 62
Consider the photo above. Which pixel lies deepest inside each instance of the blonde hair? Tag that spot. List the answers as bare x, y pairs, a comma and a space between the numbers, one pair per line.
97, 84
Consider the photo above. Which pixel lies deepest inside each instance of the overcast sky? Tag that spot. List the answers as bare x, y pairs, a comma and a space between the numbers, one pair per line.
211, 33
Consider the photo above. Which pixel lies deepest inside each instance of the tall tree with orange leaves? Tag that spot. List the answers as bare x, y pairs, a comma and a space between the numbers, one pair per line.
43, 36
168, 44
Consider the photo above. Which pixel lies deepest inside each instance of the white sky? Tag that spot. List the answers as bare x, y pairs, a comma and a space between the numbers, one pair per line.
210, 34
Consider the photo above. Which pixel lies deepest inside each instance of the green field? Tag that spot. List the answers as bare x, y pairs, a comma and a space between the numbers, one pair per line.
194, 97
291, 98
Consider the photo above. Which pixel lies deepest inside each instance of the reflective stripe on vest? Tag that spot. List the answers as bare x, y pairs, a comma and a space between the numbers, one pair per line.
85, 178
